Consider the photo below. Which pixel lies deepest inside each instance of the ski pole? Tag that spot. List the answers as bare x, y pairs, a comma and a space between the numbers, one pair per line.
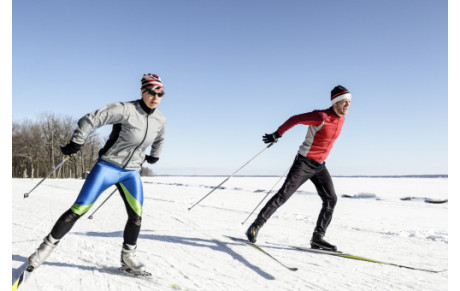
91, 216
266, 195
52, 171
230, 176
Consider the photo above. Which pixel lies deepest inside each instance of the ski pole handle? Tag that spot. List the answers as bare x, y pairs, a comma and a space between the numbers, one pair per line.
49, 174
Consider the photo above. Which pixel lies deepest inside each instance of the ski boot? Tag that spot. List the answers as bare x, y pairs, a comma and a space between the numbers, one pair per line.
252, 232
317, 242
129, 263
42, 253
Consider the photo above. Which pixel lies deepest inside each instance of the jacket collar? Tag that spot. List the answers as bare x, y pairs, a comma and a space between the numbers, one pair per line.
144, 107
335, 113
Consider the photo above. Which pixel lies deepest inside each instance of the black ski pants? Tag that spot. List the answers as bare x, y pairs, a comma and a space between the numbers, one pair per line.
303, 169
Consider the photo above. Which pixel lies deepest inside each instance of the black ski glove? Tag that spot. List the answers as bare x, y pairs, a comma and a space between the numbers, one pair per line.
151, 160
271, 137
70, 148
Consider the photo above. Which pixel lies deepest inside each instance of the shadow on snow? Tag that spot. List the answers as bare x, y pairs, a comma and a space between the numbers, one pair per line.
213, 244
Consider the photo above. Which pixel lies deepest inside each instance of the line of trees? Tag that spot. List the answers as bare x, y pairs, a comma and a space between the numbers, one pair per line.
36, 150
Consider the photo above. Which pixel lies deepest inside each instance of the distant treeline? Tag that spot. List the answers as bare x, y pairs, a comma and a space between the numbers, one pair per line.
36, 151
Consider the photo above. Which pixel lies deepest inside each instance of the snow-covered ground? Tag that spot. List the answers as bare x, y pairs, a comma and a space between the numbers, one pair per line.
187, 250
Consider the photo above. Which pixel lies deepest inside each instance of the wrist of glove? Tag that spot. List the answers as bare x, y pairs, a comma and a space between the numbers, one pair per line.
271, 137
70, 148
151, 160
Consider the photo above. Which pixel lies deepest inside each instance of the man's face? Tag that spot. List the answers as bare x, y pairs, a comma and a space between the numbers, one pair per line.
341, 107
151, 99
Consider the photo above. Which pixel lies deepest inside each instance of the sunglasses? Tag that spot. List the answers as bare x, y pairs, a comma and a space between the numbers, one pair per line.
153, 93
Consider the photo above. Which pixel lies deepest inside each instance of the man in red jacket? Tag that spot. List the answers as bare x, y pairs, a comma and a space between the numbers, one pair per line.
324, 128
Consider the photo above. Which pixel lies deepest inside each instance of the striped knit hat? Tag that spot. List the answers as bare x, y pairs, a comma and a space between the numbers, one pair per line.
339, 93
152, 79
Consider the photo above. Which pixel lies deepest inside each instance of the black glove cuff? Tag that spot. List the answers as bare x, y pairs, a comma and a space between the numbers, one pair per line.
75, 147
70, 148
151, 160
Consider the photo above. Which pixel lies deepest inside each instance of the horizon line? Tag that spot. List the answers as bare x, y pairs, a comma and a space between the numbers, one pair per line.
338, 176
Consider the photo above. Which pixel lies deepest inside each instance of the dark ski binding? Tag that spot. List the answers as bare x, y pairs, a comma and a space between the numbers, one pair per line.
135, 274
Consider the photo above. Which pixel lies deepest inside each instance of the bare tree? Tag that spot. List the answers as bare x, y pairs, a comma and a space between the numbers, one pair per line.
35, 148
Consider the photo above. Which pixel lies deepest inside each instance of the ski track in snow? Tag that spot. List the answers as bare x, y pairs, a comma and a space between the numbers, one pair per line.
187, 250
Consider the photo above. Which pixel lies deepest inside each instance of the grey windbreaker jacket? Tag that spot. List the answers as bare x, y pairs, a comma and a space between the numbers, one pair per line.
135, 127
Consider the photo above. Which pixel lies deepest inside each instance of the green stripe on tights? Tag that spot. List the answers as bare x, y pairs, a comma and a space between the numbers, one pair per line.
80, 209
135, 205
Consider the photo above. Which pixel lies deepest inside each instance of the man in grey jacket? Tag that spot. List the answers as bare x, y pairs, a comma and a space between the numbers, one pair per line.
136, 125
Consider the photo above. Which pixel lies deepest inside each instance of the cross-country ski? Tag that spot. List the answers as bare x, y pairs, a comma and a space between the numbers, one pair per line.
24, 274
353, 257
260, 249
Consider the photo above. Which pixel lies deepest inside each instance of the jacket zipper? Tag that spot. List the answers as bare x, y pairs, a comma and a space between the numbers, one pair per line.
145, 136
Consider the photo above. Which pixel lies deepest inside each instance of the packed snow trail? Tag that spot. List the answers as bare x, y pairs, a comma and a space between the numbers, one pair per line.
185, 250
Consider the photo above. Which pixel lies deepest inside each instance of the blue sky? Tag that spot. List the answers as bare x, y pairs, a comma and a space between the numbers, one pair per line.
234, 70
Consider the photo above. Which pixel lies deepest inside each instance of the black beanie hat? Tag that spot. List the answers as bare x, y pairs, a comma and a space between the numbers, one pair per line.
339, 93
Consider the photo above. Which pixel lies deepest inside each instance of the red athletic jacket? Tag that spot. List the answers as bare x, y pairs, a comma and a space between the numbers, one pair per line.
324, 128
